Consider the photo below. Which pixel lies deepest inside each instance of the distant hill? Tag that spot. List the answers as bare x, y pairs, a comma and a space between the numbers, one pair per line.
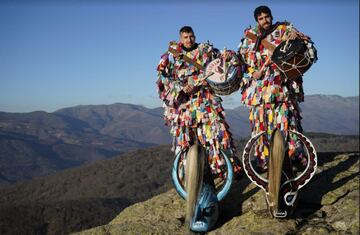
321, 113
40, 143
331, 114
126, 121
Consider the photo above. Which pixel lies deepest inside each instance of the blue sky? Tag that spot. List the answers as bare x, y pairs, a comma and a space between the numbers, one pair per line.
60, 55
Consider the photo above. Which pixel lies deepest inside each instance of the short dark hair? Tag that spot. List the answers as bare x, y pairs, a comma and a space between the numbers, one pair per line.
186, 29
261, 9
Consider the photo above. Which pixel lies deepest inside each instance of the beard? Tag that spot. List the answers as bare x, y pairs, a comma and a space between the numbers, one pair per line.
189, 45
266, 26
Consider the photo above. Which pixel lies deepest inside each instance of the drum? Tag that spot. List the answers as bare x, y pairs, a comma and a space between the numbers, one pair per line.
289, 185
293, 58
223, 77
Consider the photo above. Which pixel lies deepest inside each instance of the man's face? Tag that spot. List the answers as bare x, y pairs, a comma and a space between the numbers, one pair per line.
264, 21
187, 39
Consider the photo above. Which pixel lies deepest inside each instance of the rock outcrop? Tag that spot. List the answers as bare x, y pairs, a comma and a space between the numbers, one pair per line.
328, 204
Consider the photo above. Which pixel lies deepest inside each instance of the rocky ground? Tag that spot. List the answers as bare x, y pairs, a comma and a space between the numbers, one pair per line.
329, 204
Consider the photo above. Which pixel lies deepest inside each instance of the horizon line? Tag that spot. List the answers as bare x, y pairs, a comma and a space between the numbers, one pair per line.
226, 106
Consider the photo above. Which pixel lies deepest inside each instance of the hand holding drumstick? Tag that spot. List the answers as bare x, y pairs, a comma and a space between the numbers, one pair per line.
258, 74
189, 88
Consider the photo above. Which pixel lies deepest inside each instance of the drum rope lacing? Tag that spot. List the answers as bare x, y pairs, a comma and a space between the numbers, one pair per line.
309, 56
295, 65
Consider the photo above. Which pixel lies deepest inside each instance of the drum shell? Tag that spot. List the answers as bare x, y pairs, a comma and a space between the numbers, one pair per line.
295, 61
229, 86
292, 72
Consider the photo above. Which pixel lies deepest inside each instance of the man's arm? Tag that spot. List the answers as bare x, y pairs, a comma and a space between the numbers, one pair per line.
292, 33
244, 52
168, 89
198, 79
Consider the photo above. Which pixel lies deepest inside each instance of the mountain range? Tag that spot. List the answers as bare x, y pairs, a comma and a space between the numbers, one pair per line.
40, 143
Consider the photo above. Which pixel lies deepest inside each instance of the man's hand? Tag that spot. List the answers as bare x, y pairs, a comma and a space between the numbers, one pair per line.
258, 74
227, 56
188, 88
294, 34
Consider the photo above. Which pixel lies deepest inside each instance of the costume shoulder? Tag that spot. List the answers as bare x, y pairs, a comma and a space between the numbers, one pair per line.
284, 25
246, 40
208, 51
167, 57
250, 29
287, 27
207, 47
174, 48
285, 22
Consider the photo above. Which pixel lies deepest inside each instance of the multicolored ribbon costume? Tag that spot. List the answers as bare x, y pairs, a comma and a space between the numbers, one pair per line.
198, 116
272, 99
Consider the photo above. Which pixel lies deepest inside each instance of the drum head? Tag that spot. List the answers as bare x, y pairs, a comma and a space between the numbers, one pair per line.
302, 175
224, 77
285, 52
217, 69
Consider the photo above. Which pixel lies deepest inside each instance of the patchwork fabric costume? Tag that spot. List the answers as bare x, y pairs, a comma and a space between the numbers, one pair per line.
198, 116
272, 99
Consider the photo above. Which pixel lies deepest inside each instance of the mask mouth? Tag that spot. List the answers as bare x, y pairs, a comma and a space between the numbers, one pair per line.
206, 210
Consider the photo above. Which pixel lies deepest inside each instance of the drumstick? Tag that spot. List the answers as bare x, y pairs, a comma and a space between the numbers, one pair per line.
208, 75
264, 65
225, 65
203, 78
